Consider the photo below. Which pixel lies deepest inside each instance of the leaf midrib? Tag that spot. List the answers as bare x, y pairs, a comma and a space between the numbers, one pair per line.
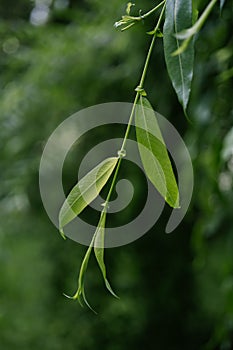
159, 170
80, 195
179, 56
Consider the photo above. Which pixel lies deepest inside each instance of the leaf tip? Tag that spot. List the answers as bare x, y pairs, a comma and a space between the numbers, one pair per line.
68, 296
62, 233
109, 288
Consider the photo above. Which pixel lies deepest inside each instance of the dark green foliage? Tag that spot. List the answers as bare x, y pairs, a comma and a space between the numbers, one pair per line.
176, 290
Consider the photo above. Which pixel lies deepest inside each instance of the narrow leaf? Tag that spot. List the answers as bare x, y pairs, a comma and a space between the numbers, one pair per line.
80, 293
86, 190
99, 250
190, 32
154, 153
178, 16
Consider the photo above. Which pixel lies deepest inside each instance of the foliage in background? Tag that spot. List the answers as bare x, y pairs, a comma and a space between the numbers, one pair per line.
178, 285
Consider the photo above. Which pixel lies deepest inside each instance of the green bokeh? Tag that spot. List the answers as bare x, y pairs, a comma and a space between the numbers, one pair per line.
176, 290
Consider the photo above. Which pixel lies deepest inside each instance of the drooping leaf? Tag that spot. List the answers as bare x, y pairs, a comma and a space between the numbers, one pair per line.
178, 16
154, 153
99, 250
85, 191
80, 293
98, 243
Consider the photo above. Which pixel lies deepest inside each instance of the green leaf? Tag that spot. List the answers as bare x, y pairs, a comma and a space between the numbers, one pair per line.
86, 190
99, 250
156, 32
128, 8
98, 243
190, 32
154, 153
178, 16
80, 293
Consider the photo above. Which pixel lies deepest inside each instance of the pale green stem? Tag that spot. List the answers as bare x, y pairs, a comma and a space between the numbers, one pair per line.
83, 267
135, 101
153, 10
134, 19
151, 47
147, 14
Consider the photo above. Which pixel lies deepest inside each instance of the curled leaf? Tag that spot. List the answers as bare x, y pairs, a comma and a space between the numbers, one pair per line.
98, 243
99, 250
126, 22
128, 8
80, 293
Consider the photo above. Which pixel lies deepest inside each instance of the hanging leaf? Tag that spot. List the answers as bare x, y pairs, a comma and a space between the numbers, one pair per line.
178, 16
98, 243
80, 294
154, 153
99, 250
86, 190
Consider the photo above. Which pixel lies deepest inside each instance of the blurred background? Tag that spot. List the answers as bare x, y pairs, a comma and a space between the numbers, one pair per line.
57, 57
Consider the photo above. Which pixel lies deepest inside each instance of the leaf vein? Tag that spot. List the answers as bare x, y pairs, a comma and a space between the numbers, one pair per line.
178, 46
148, 140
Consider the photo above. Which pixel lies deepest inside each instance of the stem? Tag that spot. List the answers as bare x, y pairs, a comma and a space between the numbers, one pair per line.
129, 21
122, 149
80, 292
153, 10
112, 184
151, 48
130, 121
136, 97
147, 14
142, 77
